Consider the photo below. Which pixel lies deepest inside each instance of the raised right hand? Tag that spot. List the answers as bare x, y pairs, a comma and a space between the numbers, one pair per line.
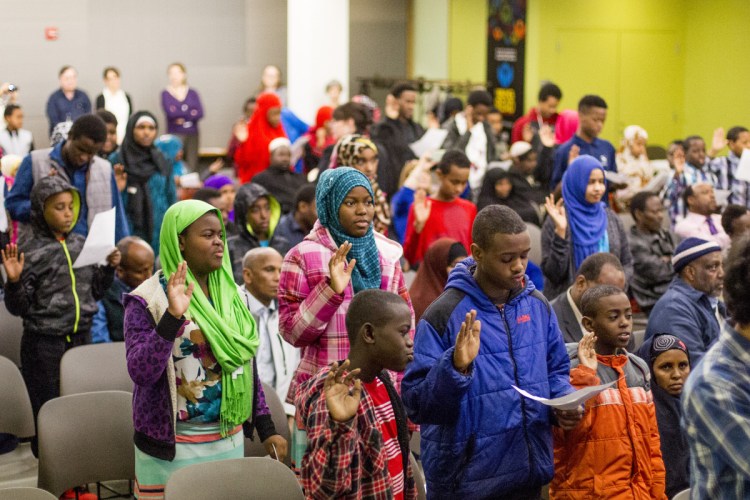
178, 294
556, 211
340, 270
13, 262
467, 342
587, 352
573, 154
342, 400
422, 207
547, 136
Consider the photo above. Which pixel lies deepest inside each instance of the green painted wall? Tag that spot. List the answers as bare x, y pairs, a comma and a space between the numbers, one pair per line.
430, 38
467, 57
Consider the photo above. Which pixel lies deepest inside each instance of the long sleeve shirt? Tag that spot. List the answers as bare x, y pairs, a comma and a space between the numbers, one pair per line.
60, 108
190, 110
725, 170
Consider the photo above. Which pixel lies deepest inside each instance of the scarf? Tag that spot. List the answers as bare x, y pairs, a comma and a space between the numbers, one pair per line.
324, 114
432, 274
333, 186
140, 164
588, 221
253, 156
347, 153
225, 321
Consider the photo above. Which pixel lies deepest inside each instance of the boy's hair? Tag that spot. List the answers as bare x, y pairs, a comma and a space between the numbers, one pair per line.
90, 126
731, 213
112, 69
64, 69
734, 133
591, 101
592, 296
638, 202
737, 281
356, 112
453, 157
494, 219
494, 111
304, 194
205, 194
9, 109
370, 306
107, 116
479, 97
402, 87
592, 266
549, 90
689, 139
124, 247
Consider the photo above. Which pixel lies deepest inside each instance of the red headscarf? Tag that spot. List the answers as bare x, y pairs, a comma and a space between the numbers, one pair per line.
252, 156
325, 113
431, 277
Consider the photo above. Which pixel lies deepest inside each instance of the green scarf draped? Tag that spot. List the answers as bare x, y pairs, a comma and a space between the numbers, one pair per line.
227, 324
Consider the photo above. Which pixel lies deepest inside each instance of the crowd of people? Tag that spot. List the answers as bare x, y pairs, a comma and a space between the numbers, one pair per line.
378, 293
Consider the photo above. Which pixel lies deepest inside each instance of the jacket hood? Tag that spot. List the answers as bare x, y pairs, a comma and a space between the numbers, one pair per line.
462, 278
247, 194
44, 189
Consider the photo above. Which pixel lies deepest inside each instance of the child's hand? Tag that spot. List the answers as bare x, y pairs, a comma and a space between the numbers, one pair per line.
113, 259
216, 165
341, 271
121, 177
422, 207
467, 342
587, 351
568, 419
178, 294
556, 211
13, 262
341, 400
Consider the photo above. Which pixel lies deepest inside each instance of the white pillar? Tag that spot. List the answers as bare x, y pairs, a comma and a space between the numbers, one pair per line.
317, 52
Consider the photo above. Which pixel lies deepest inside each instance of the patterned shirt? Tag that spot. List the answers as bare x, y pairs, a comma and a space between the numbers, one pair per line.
197, 376
725, 170
387, 422
716, 405
676, 187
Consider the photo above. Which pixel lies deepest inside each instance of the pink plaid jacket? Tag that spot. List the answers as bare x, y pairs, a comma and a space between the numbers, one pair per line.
311, 315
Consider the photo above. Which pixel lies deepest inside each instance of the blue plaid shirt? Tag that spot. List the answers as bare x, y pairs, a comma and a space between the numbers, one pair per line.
725, 169
716, 418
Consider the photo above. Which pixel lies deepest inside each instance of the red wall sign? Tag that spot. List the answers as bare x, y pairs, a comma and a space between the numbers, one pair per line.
50, 33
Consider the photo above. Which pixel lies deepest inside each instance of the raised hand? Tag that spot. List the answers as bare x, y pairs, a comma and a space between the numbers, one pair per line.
547, 136
216, 165
527, 133
340, 270
679, 161
467, 342
277, 447
342, 400
718, 142
12, 262
422, 207
573, 154
114, 258
556, 211
587, 352
469, 114
121, 177
178, 294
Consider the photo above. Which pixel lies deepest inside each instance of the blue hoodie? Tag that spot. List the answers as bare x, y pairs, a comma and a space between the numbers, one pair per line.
480, 439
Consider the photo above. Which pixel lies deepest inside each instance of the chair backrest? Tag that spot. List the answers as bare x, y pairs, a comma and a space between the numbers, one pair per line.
11, 330
535, 233
85, 438
26, 494
419, 481
95, 367
254, 447
16, 416
683, 495
234, 479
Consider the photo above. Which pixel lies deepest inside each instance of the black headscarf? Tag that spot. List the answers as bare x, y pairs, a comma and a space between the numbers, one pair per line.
140, 164
522, 206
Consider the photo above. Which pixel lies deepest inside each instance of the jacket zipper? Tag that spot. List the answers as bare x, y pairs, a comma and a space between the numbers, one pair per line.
515, 376
73, 282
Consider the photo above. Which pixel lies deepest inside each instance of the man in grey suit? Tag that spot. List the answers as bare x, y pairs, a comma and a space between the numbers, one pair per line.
597, 269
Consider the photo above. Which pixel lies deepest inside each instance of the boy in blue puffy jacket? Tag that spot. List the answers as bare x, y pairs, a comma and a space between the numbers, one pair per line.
480, 438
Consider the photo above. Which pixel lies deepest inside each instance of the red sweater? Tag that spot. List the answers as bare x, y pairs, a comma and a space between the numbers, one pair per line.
448, 219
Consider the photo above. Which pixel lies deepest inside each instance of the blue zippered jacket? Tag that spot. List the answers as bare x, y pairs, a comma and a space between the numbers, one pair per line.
480, 438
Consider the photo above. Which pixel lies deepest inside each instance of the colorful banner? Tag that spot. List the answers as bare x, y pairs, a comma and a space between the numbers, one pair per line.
506, 44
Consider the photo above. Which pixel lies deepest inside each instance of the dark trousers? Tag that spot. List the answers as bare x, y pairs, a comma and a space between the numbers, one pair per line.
40, 367
190, 152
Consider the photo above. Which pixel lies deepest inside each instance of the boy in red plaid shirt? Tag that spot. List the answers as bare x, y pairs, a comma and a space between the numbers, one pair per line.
358, 441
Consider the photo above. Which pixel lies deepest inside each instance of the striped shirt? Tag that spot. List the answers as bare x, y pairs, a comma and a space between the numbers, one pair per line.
725, 170
387, 422
716, 411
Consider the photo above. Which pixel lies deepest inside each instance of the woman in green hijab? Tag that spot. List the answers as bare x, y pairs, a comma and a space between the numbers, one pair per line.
190, 344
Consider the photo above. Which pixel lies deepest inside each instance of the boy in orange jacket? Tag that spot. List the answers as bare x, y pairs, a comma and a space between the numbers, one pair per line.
615, 451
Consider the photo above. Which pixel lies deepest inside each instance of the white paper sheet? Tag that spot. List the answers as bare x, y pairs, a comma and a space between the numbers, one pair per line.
572, 400
430, 141
743, 169
191, 181
100, 242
